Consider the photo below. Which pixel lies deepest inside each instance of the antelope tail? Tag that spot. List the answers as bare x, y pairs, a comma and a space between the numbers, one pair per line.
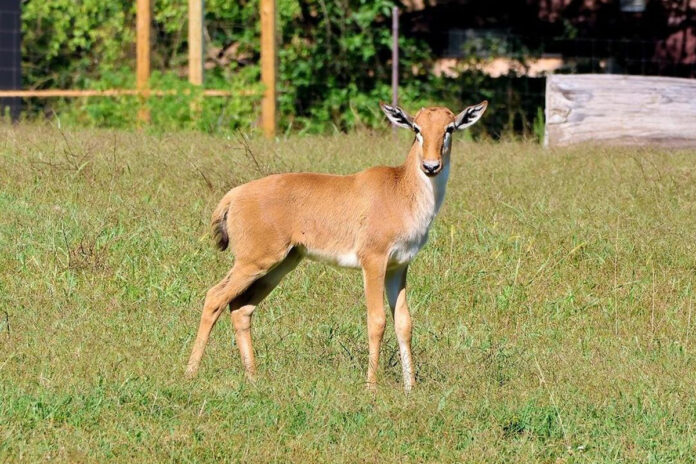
219, 223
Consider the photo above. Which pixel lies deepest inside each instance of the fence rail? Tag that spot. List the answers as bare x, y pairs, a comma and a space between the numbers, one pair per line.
145, 93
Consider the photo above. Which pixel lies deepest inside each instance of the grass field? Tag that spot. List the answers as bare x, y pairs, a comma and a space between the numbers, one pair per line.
553, 309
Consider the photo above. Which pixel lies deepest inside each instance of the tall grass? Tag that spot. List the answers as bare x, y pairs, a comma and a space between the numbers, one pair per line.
553, 309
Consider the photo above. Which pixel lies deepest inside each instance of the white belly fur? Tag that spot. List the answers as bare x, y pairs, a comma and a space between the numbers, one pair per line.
349, 259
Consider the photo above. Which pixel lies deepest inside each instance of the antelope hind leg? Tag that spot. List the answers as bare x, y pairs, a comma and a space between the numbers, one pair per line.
243, 308
217, 298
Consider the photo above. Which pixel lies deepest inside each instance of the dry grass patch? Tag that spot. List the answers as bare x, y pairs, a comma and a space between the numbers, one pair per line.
553, 309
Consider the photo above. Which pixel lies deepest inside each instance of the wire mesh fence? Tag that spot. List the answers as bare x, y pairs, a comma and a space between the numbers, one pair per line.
512, 68
635, 56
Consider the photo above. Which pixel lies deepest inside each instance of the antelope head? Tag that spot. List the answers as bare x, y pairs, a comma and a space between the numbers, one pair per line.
433, 127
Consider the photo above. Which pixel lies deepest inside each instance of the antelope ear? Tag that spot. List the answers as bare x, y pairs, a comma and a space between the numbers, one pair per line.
397, 116
470, 115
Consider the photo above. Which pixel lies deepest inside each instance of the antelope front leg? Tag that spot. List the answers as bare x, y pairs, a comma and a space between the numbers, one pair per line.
395, 284
373, 274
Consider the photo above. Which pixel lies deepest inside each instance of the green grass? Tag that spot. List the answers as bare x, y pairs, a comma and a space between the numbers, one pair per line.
552, 309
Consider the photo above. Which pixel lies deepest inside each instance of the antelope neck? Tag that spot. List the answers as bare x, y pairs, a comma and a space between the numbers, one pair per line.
414, 176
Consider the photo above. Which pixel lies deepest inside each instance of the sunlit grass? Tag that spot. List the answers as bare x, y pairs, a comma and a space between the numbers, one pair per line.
553, 309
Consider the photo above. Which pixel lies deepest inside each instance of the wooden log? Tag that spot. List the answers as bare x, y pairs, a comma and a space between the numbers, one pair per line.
620, 110
268, 66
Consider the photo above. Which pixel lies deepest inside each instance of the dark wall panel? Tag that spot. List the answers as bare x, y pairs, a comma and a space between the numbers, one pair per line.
10, 54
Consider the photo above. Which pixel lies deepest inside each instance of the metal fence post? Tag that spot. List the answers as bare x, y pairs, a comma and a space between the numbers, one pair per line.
395, 59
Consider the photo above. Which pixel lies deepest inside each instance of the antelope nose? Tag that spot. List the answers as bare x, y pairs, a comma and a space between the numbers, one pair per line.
431, 167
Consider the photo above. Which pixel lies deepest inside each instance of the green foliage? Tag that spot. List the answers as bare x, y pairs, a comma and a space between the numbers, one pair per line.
185, 109
334, 66
337, 69
540, 125
64, 42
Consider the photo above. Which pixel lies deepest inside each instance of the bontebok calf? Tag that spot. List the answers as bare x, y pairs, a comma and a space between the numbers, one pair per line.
376, 220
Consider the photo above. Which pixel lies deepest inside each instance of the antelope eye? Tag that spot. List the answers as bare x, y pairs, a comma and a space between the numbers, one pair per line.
449, 129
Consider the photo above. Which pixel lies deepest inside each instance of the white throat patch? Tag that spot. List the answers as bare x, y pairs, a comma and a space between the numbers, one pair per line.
422, 213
